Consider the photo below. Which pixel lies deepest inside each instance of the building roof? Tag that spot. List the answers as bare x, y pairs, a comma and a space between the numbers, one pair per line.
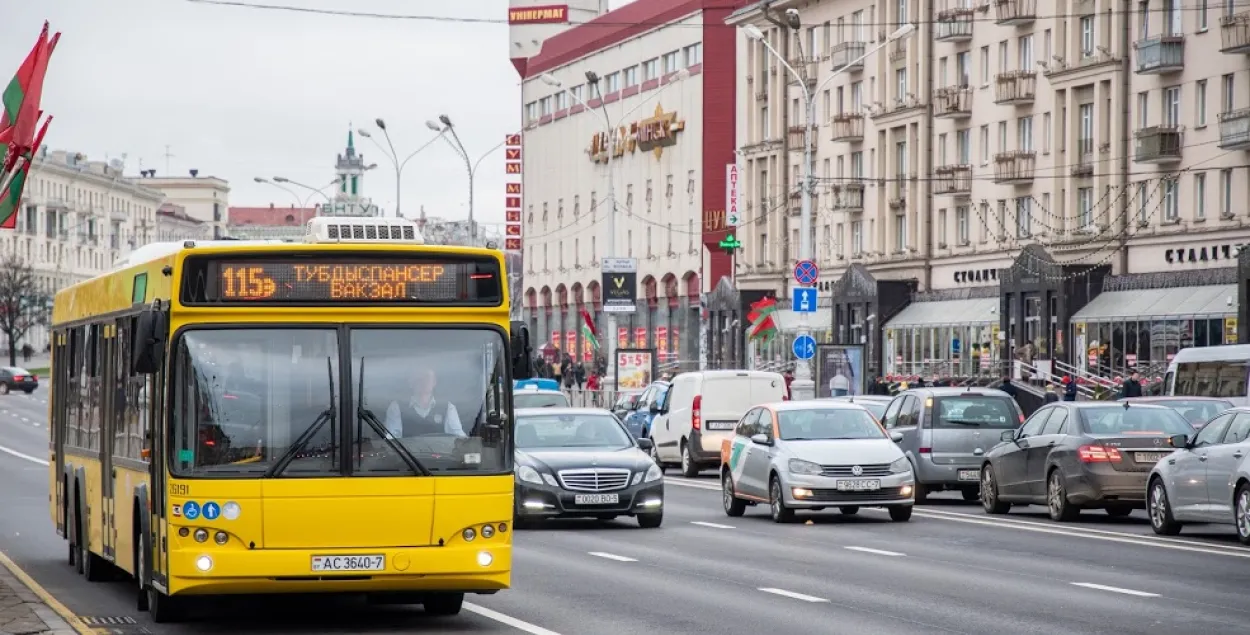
270, 216
177, 212
611, 28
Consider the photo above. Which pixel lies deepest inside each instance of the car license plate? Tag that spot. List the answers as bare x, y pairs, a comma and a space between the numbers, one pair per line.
1149, 457
859, 485
348, 563
720, 425
969, 475
596, 499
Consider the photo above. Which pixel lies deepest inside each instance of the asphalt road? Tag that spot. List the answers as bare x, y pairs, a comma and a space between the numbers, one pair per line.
950, 570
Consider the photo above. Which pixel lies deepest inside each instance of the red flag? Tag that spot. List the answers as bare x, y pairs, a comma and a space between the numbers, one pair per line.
30, 89
11, 97
11, 195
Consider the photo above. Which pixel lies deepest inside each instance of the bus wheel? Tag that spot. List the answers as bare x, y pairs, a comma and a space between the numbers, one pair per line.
140, 543
163, 608
443, 603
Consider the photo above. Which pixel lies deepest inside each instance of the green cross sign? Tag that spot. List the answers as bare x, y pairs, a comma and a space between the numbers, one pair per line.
730, 244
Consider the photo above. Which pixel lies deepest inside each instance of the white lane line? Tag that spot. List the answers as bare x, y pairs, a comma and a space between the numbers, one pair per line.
712, 525
693, 484
612, 556
507, 620
1115, 589
879, 552
20, 455
793, 595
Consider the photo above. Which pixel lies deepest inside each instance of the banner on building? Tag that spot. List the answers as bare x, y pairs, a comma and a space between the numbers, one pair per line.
513, 232
555, 340
661, 342
635, 367
571, 338
588, 354
674, 335
622, 337
620, 285
640, 337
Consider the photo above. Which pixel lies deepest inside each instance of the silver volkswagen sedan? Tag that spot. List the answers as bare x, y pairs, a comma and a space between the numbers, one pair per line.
811, 455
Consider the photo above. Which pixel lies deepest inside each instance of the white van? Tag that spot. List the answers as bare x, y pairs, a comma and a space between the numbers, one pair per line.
702, 408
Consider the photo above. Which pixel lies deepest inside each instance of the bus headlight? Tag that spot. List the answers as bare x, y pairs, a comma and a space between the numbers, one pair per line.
487, 531
204, 563
484, 559
221, 538
201, 535
469, 534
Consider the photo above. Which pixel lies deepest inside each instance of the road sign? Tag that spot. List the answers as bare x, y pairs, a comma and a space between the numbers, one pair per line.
732, 217
804, 347
804, 300
806, 273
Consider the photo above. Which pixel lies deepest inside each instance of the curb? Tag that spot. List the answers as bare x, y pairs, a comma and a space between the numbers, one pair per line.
56, 615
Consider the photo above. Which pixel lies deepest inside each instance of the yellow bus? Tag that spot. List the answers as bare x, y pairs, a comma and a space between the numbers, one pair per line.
333, 415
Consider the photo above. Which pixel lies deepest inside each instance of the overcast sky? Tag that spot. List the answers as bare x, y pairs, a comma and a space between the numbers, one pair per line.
239, 93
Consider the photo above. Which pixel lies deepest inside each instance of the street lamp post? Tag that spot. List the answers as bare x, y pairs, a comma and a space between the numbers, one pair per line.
394, 157
278, 181
444, 125
592, 78
803, 386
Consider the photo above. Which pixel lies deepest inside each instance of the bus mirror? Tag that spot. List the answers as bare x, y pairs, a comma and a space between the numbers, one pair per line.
148, 352
522, 351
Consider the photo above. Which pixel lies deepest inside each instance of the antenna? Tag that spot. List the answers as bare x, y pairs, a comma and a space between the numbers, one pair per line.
168, 156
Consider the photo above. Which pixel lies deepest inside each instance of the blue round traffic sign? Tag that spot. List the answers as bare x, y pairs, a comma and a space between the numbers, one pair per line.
804, 347
211, 510
190, 510
806, 272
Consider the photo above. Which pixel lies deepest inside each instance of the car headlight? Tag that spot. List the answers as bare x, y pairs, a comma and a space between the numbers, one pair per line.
799, 466
900, 466
529, 475
654, 473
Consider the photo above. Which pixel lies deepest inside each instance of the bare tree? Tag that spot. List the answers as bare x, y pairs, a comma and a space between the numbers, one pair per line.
22, 304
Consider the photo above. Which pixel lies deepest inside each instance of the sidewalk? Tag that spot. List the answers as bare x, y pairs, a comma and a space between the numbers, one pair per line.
23, 612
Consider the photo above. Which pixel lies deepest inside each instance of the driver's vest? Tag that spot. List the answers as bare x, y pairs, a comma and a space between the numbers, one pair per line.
415, 425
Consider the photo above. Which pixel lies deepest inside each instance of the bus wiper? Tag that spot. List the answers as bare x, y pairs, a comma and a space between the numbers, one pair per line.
366, 415
329, 415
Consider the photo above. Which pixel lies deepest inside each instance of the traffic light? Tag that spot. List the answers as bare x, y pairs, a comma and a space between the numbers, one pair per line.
730, 244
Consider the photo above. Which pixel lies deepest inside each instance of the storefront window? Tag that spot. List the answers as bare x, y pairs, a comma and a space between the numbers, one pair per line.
1145, 345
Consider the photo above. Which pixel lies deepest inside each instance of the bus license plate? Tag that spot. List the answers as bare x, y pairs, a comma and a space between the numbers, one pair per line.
1149, 457
596, 499
348, 563
969, 475
859, 485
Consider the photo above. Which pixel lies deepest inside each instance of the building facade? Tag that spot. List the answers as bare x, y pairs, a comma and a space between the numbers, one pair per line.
628, 117
1070, 177
204, 198
173, 224
78, 217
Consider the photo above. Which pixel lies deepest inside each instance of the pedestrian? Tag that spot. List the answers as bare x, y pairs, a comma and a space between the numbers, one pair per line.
1069, 388
1132, 386
592, 384
556, 371
579, 375
1050, 396
27, 352
1009, 388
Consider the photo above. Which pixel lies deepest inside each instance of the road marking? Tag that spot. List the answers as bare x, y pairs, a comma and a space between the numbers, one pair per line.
793, 595
612, 556
32, 459
74, 621
1115, 589
879, 552
712, 525
507, 620
688, 483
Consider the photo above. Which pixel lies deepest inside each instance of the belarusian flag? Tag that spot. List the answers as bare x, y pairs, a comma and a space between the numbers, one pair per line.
588, 330
11, 194
19, 102
763, 327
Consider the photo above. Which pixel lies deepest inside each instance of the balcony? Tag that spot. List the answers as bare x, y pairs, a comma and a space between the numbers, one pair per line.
952, 102
954, 25
953, 180
897, 191
1015, 12
1084, 166
1160, 54
1015, 87
807, 66
1235, 33
848, 196
1157, 144
847, 56
1016, 167
1235, 130
848, 127
797, 141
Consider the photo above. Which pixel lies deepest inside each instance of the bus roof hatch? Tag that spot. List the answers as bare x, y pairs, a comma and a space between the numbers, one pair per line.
349, 229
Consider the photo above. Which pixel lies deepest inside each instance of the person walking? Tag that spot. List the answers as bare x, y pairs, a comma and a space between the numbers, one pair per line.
1132, 386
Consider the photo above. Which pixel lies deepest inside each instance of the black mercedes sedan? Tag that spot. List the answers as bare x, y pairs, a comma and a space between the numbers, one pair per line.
583, 463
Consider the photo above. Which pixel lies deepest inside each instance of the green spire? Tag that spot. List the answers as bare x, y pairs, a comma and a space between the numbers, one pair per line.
351, 139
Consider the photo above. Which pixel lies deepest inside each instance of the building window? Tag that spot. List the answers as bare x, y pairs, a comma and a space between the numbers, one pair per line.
694, 54
1172, 106
902, 12
1200, 103
985, 65
1200, 195
1085, 142
631, 76
1002, 136
963, 69
1226, 193
577, 253
531, 112
1171, 200
857, 238
1046, 128
1143, 109
900, 77
577, 205
1202, 14
942, 227
1143, 203
1229, 98
612, 83
671, 61
651, 69
1024, 133
544, 106
1085, 207
578, 92
1024, 217
1025, 48
1087, 36
900, 232
962, 233
985, 144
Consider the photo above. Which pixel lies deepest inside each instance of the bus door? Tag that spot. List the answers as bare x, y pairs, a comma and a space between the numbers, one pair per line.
154, 429
104, 338
59, 382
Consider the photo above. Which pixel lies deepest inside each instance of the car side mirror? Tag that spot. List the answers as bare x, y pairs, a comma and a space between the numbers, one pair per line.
896, 437
522, 351
761, 439
1008, 435
646, 444
1179, 441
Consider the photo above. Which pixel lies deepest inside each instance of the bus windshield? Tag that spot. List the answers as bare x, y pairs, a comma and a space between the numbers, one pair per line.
264, 402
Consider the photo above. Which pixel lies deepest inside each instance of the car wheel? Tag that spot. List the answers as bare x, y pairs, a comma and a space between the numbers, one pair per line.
849, 510
989, 493
4, 389
900, 513
777, 502
650, 521
1057, 503
1160, 510
30, 391
734, 506
688, 467
1242, 509
1119, 511
441, 604
921, 493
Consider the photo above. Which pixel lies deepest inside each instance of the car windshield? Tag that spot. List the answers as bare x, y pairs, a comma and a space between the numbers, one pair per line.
571, 431
828, 423
1131, 421
974, 412
1197, 411
13, 370
875, 407
524, 399
270, 402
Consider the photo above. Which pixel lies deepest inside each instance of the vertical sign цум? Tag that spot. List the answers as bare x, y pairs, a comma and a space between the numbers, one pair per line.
620, 285
732, 218
513, 233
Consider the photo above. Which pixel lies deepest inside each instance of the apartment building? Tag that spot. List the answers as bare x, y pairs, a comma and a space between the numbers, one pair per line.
1070, 175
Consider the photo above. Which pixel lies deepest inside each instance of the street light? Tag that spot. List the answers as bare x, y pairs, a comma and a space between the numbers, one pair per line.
803, 387
469, 164
314, 190
393, 156
592, 78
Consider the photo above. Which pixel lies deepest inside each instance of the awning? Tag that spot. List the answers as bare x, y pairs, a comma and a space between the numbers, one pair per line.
788, 321
946, 313
1210, 301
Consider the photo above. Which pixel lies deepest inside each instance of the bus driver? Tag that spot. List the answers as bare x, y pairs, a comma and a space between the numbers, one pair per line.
423, 415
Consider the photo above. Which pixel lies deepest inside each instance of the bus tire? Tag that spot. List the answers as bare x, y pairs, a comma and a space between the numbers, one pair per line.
141, 567
443, 604
74, 528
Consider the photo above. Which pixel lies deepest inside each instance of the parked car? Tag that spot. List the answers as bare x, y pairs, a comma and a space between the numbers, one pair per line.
14, 378
1198, 410
625, 403
1207, 478
638, 421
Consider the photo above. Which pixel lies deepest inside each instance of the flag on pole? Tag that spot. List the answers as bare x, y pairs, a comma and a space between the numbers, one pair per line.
11, 194
19, 102
588, 330
763, 327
